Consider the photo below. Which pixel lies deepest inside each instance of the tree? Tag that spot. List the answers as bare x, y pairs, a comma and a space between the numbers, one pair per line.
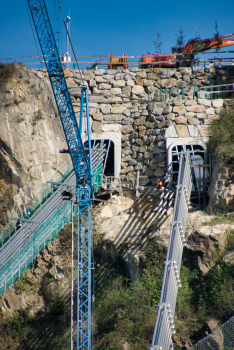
180, 41
157, 43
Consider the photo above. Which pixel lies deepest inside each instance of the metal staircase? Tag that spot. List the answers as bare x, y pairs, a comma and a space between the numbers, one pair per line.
164, 327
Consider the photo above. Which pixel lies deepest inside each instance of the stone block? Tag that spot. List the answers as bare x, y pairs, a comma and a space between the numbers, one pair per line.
100, 79
167, 109
154, 108
97, 127
193, 131
98, 72
182, 130
109, 117
141, 157
130, 82
138, 167
161, 164
142, 133
97, 99
151, 138
118, 76
204, 102
127, 151
210, 111
132, 162
105, 108
98, 116
111, 127
127, 129
148, 155
158, 150
193, 121
119, 109
118, 83
179, 109
127, 170
139, 142
139, 82
151, 147
159, 158
135, 148
92, 83
204, 130
139, 121
159, 172
196, 109
181, 120
171, 116
161, 124
168, 83
217, 103
115, 91
135, 115
152, 76
147, 82
143, 149
126, 159
190, 115
144, 113
171, 132
141, 74
201, 116
190, 102
137, 90
167, 73
127, 121
126, 112
104, 86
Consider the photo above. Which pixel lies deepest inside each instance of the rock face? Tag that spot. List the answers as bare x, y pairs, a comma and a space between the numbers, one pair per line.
30, 138
221, 190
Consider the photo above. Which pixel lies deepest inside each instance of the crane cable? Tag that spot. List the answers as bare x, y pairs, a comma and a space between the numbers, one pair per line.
70, 41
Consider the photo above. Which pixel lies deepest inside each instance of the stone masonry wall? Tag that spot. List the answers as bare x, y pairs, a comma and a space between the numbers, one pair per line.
118, 101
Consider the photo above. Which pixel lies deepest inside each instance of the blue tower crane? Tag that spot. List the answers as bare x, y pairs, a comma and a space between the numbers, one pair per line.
82, 167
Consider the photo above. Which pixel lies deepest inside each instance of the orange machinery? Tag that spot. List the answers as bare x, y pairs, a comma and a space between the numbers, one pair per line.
115, 63
192, 47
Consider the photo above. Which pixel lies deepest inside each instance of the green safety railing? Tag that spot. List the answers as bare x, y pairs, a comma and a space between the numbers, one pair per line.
10, 229
14, 268
97, 177
42, 197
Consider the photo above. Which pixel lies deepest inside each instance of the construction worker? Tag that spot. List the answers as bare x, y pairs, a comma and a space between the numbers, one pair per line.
159, 185
166, 180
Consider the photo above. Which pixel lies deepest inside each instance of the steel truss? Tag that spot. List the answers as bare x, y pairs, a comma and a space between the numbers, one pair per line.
82, 167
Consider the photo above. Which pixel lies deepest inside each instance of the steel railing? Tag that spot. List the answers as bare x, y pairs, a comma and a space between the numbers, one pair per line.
164, 327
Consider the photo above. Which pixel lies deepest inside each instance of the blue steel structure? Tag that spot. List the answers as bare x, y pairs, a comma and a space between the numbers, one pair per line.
83, 168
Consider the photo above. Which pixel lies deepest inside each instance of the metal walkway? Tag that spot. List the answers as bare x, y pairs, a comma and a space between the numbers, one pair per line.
164, 327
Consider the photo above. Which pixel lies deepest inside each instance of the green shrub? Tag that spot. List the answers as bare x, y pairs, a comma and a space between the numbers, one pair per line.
222, 136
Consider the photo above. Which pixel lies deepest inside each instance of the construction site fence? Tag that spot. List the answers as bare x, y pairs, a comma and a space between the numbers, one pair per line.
15, 267
164, 327
102, 61
220, 339
10, 229
208, 92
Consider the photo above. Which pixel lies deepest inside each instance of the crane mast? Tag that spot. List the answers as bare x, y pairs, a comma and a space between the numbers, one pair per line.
82, 166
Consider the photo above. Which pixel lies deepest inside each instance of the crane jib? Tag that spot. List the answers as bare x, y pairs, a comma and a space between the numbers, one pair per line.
62, 97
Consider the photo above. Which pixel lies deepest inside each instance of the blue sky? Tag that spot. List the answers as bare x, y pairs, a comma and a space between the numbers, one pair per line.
99, 28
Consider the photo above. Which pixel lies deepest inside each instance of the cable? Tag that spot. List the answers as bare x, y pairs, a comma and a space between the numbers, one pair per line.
35, 41
71, 43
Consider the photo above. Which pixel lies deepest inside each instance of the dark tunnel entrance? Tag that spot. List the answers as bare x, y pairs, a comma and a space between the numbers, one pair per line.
103, 150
